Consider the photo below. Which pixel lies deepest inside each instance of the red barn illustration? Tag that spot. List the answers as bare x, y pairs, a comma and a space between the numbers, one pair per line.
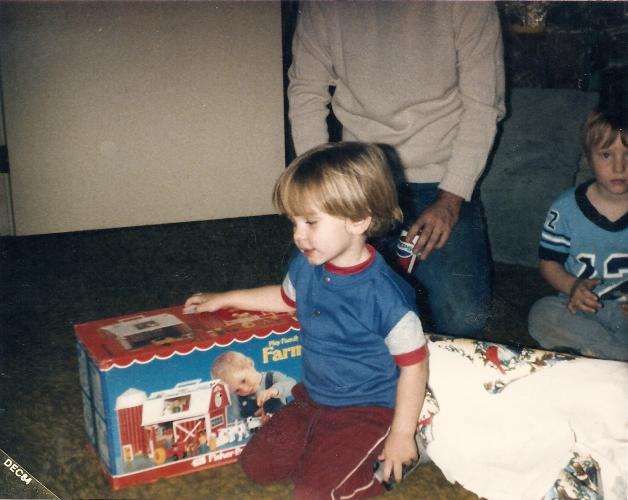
172, 423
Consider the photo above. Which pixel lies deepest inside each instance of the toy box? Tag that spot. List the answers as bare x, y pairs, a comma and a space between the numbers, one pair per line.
151, 406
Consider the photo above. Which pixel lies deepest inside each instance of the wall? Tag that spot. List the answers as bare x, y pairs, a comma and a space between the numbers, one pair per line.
536, 157
132, 113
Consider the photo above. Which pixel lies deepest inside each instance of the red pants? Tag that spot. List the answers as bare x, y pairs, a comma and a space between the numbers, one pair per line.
328, 452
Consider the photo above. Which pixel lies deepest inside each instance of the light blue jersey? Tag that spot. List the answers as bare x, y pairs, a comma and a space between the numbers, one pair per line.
576, 235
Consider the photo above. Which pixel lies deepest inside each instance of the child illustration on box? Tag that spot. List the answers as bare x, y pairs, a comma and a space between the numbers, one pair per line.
254, 390
363, 350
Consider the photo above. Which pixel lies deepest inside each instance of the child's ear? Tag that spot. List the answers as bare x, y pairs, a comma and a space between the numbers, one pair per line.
358, 226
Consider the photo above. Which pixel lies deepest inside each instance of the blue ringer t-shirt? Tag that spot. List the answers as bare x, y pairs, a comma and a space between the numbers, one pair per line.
357, 326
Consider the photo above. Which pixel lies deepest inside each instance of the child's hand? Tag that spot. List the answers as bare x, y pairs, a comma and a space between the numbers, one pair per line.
398, 450
582, 298
266, 395
204, 302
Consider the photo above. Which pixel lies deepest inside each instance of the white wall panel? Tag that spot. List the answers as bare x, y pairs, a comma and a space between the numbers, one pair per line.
133, 113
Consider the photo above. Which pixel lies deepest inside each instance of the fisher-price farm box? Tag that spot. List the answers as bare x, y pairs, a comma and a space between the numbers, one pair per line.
151, 406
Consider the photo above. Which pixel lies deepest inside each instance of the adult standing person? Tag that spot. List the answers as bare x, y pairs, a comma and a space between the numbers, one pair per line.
426, 78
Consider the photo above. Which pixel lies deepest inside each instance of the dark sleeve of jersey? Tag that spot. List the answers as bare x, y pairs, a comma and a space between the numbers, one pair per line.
547, 254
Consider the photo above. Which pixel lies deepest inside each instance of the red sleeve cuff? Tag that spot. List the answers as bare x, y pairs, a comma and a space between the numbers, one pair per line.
287, 299
411, 358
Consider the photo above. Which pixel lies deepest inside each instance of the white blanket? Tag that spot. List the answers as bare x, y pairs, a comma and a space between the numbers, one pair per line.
513, 445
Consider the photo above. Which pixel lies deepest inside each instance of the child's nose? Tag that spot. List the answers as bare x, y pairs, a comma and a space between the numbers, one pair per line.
298, 232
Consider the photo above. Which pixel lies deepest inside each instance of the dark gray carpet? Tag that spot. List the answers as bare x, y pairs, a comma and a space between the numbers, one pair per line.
49, 283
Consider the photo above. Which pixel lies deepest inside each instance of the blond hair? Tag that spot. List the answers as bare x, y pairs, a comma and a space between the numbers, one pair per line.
227, 361
346, 179
601, 129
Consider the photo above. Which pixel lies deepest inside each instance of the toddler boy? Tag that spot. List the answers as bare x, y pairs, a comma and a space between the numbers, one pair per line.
363, 349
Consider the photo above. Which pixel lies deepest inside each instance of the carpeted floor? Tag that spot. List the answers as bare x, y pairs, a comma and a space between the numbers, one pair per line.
49, 283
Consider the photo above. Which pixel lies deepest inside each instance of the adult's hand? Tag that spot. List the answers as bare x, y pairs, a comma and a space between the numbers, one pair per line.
435, 224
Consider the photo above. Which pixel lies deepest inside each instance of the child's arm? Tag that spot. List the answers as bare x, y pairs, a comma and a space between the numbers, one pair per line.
400, 447
266, 298
281, 388
579, 291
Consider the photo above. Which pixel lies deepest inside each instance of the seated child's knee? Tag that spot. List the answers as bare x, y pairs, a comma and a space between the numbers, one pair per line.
255, 470
258, 468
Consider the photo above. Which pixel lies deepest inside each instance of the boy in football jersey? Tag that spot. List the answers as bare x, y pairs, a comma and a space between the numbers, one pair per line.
363, 349
584, 250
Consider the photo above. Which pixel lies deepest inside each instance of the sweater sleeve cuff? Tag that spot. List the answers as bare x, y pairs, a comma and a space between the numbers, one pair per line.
457, 185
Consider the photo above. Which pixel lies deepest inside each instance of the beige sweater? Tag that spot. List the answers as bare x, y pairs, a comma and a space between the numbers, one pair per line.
425, 77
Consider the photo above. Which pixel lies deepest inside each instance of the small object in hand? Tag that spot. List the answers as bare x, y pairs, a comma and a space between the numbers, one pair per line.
405, 257
378, 473
189, 310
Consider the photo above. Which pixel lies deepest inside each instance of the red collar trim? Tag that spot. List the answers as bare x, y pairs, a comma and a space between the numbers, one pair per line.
329, 267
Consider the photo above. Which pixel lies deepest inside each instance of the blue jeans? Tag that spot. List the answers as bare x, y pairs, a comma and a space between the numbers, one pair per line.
601, 335
454, 283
